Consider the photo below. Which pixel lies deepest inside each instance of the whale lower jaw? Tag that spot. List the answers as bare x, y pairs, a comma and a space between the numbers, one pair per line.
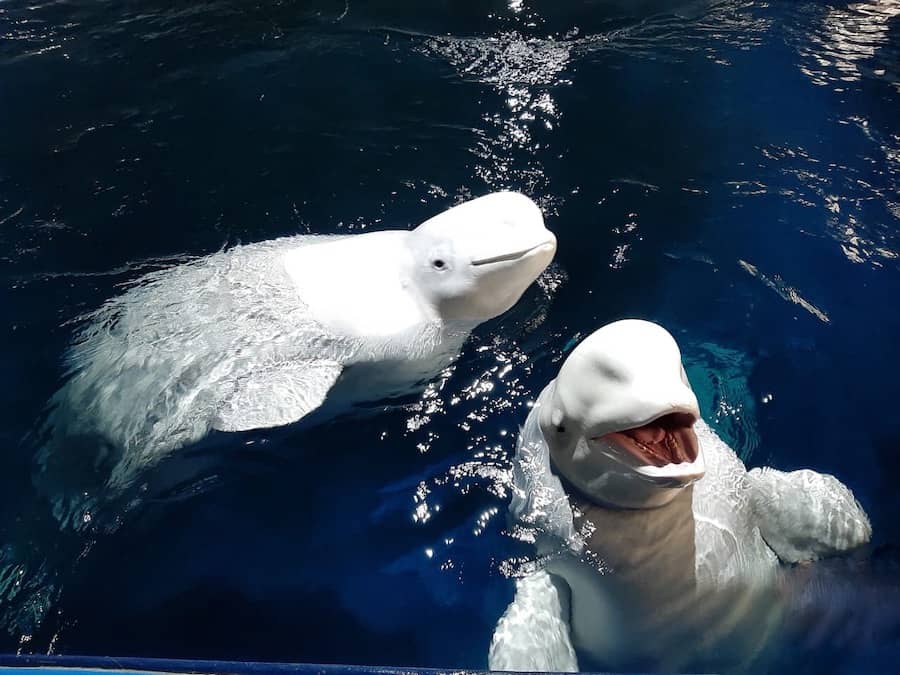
683, 473
664, 450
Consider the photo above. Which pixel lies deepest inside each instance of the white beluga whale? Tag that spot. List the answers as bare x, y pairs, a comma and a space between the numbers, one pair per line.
262, 334
657, 549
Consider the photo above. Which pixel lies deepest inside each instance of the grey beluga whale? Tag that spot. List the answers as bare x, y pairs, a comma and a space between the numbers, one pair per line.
657, 549
263, 335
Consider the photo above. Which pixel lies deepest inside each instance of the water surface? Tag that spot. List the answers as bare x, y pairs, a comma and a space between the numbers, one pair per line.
729, 169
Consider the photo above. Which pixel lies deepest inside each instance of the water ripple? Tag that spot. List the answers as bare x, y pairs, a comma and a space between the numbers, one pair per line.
860, 208
525, 72
787, 292
480, 403
666, 36
851, 44
719, 377
25, 34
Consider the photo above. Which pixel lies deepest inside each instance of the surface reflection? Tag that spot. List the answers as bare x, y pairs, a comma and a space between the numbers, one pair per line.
858, 208
852, 43
524, 72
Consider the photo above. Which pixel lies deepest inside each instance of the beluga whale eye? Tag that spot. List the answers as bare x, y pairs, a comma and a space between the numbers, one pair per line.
439, 264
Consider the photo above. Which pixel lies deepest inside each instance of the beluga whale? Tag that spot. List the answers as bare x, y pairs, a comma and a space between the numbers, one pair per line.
263, 335
656, 548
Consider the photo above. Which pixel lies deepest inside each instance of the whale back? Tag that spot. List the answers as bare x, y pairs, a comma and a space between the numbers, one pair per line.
361, 285
146, 373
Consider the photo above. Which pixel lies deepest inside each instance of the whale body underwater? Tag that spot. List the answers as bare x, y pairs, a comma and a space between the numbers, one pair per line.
260, 335
656, 549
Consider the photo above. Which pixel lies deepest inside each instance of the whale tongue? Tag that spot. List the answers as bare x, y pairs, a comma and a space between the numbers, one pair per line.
667, 440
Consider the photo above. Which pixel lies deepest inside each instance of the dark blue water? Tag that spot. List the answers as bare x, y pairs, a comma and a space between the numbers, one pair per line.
729, 169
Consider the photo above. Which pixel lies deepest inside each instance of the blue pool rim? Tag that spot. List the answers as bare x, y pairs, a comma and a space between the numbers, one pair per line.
72, 665
108, 664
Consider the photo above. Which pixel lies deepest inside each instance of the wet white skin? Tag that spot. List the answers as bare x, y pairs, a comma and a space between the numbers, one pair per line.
648, 566
261, 335
468, 264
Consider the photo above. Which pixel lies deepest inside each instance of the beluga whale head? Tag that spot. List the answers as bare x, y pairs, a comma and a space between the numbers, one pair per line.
618, 419
474, 261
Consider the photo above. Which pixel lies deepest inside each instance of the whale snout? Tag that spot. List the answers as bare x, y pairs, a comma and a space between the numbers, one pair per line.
511, 207
623, 390
509, 228
487, 252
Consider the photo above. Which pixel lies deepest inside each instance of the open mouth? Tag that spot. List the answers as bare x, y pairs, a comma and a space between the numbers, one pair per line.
669, 439
511, 256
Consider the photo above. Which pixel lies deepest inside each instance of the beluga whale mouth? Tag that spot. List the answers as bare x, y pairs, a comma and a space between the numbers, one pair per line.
669, 439
549, 245
664, 450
